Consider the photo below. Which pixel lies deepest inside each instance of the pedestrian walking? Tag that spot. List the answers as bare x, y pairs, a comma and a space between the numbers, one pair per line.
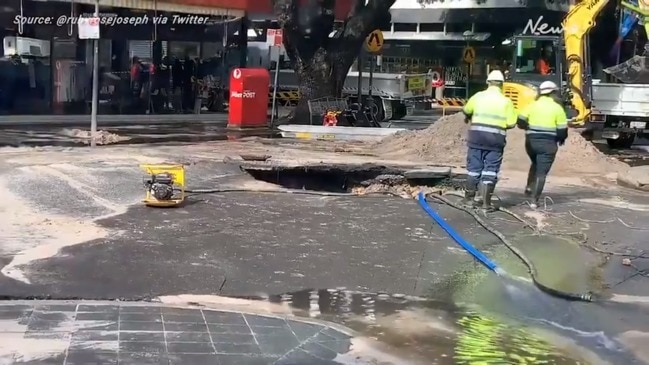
490, 115
546, 127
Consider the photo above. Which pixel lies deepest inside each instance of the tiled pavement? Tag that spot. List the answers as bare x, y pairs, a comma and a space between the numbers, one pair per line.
126, 333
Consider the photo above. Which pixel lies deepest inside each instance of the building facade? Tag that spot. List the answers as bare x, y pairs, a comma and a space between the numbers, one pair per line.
45, 67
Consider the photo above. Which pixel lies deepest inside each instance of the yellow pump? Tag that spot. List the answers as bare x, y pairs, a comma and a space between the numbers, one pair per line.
165, 185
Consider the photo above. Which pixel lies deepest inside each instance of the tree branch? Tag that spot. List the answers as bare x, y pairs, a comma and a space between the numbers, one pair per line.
381, 6
286, 11
362, 20
357, 7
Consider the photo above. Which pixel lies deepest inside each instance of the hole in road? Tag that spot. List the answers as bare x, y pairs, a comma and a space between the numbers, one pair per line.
347, 178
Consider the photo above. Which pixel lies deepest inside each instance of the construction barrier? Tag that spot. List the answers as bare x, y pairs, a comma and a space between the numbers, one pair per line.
448, 104
451, 102
285, 98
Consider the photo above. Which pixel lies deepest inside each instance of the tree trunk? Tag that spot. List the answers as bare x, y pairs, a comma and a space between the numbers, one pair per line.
321, 63
320, 77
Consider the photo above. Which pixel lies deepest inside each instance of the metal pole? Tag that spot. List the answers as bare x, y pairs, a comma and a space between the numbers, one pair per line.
371, 80
468, 69
360, 79
95, 86
275, 81
468, 74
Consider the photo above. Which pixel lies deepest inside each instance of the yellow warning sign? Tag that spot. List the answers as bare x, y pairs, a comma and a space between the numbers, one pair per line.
468, 55
374, 42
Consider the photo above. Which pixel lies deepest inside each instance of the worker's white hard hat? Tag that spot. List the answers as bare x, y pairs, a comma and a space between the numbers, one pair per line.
547, 87
496, 76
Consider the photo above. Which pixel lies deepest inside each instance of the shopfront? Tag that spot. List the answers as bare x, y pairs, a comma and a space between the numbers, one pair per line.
438, 43
155, 63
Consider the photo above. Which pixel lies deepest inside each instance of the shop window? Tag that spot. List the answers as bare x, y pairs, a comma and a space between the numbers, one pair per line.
212, 49
182, 49
141, 49
25, 82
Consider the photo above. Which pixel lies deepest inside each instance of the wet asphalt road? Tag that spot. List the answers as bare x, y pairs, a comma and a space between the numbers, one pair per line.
258, 244
53, 134
144, 129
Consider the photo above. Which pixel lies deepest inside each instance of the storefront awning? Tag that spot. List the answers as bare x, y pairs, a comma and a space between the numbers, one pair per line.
167, 6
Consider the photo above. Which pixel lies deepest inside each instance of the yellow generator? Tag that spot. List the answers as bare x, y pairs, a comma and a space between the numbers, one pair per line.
165, 185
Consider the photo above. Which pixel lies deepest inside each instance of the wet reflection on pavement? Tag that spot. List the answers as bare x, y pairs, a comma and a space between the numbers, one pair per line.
440, 331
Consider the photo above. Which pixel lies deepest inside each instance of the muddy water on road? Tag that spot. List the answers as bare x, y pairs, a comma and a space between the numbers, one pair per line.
437, 331
476, 318
562, 264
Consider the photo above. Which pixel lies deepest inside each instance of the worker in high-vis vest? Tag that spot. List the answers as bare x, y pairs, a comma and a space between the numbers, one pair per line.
490, 114
546, 127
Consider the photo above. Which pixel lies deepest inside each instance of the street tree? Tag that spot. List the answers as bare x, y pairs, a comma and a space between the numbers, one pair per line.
320, 61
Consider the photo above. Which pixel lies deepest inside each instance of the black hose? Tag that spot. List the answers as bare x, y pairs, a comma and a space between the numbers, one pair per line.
284, 191
587, 297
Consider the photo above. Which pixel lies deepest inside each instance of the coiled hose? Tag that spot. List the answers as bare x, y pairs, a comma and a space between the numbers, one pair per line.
587, 297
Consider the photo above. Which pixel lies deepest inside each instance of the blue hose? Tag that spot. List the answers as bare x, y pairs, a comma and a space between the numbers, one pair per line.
585, 297
451, 232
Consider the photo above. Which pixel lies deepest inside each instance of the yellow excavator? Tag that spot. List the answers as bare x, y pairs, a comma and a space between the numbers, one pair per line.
620, 111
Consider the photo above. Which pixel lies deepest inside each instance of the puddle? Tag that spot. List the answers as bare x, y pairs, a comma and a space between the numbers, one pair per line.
441, 332
560, 263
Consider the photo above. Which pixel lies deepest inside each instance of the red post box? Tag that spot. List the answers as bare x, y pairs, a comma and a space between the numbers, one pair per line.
249, 89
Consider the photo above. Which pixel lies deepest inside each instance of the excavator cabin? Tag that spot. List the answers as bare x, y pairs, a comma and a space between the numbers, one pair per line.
535, 59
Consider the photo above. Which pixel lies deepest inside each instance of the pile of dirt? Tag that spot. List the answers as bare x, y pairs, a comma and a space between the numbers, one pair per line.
101, 137
444, 143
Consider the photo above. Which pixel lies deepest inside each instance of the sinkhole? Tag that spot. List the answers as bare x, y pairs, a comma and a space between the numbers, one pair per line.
349, 178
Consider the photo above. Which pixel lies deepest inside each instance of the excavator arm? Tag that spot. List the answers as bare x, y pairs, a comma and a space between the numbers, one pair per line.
576, 25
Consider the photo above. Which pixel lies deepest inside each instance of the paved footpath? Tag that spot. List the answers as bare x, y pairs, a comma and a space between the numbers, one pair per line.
87, 333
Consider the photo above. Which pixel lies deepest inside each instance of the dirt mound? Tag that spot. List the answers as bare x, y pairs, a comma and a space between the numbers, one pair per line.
444, 143
101, 137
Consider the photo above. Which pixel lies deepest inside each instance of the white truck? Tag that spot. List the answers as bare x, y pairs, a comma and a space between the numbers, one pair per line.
623, 108
394, 94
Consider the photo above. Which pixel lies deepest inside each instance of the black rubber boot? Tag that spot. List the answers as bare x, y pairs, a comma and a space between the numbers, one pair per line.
470, 191
469, 197
478, 201
539, 184
487, 193
531, 178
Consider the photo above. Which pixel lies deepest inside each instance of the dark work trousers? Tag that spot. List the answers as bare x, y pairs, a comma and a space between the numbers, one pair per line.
541, 153
483, 166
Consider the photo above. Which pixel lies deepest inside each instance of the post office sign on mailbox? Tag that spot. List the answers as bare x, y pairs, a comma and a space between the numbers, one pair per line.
249, 88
